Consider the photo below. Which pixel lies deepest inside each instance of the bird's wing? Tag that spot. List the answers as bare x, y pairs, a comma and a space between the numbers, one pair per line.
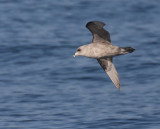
110, 69
98, 32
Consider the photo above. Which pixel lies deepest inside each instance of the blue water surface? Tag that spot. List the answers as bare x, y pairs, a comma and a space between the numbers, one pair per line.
43, 87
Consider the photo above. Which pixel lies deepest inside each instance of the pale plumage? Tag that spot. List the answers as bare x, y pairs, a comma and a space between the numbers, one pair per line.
102, 50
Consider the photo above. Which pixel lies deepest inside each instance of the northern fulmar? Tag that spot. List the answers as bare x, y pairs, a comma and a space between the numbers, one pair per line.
102, 50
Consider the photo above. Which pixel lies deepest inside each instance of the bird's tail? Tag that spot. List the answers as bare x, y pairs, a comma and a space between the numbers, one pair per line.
129, 49
125, 50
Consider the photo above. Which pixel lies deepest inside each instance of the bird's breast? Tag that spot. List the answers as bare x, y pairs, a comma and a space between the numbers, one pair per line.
99, 51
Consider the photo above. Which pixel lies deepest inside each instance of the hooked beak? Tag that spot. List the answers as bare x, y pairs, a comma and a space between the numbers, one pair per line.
75, 55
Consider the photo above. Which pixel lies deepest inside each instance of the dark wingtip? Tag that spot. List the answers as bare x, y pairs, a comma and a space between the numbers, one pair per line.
89, 23
97, 23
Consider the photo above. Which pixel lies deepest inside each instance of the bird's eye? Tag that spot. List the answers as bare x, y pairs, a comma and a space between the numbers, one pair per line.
78, 49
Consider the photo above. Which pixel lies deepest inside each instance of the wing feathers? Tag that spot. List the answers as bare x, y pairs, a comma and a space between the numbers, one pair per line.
98, 32
110, 69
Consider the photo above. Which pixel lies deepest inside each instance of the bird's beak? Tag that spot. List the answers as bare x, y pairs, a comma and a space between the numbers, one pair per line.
75, 55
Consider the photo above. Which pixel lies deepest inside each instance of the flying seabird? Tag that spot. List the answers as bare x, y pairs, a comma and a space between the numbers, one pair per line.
102, 50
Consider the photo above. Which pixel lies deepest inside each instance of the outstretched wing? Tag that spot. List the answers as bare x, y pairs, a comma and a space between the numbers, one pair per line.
98, 32
110, 69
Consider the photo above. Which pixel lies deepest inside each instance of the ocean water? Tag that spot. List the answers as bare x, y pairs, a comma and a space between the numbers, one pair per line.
43, 87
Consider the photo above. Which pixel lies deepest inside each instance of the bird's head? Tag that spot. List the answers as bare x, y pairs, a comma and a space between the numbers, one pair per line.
78, 52
81, 51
